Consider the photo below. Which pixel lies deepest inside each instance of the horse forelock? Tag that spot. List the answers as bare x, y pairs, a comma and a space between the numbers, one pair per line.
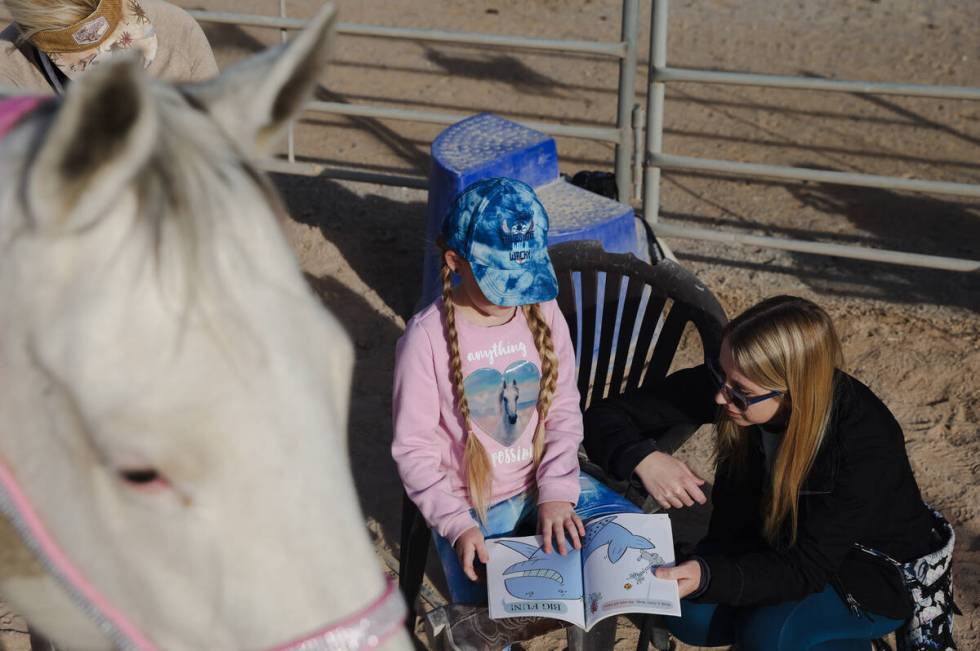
196, 175
198, 182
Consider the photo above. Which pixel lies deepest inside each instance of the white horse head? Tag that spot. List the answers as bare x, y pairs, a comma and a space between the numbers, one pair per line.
508, 397
173, 398
507, 402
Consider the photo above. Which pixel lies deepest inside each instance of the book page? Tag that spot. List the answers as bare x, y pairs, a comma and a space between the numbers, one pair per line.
523, 581
619, 556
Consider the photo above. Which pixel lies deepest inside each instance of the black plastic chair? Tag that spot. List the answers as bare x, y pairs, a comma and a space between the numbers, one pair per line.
601, 295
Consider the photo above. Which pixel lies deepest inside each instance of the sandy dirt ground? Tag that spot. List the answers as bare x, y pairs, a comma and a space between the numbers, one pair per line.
913, 335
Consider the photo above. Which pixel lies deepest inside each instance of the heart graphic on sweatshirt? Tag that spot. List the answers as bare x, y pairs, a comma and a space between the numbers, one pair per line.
501, 404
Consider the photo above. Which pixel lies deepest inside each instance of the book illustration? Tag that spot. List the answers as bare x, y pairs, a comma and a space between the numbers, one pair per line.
650, 561
541, 576
594, 599
602, 532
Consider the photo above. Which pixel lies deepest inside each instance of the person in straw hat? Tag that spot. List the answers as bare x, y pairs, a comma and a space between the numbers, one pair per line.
52, 42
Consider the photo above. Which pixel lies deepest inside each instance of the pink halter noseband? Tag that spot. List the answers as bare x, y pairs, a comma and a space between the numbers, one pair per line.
365, 629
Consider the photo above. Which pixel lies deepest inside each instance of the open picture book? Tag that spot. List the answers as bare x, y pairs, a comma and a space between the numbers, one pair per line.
612, 574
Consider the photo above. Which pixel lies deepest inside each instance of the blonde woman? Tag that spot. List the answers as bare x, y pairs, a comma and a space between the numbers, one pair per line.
52, 42
486, 410
810, 462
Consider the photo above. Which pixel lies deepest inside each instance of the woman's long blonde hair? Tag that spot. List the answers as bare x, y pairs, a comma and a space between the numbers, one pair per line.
476, 459
33, 16
787, 344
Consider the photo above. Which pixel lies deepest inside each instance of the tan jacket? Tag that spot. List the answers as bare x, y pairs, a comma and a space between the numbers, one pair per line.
183, 53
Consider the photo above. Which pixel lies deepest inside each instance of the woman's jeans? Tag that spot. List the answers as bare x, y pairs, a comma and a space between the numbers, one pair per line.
517, 516
818, 622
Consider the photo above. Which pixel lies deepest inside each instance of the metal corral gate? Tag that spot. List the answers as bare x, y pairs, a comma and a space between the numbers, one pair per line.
629, 127
628, 115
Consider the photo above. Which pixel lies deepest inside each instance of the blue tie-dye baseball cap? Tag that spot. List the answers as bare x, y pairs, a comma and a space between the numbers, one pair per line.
501, 228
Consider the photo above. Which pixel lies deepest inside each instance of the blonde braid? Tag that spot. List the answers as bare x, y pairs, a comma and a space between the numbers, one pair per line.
549, 372
475, 457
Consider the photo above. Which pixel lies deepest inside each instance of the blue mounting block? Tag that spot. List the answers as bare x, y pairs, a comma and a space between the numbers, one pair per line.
485, 146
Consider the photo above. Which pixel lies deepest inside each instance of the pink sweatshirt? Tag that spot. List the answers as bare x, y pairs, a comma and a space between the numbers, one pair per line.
501, 371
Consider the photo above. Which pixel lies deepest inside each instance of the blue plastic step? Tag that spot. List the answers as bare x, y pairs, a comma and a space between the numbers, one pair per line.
487, 145
578, 214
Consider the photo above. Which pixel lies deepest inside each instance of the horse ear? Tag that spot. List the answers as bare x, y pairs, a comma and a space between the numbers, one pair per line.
101, 136
254, 101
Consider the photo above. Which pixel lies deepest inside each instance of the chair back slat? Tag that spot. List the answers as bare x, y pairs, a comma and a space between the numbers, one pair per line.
667, 342
608, 318
647, 337
587, 313
567, 303
627, 323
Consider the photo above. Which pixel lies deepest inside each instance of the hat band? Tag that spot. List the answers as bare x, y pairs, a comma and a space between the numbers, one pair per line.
86, 34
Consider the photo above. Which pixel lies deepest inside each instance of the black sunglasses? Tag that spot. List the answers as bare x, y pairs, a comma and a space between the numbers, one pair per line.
733, 395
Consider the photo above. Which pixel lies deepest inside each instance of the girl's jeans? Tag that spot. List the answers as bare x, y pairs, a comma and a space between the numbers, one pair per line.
518, 516
818, 622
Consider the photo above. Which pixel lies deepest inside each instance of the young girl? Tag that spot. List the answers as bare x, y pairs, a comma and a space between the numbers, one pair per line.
486, 410
810, 464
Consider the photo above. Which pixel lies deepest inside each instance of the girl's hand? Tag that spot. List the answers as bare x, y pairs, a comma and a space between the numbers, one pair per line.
468, 546
687, 575
556, 518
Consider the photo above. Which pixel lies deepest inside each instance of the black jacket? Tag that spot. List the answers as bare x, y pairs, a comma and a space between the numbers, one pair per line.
860, 489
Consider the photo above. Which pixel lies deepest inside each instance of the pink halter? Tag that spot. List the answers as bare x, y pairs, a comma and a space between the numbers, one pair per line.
13, 109
368, 628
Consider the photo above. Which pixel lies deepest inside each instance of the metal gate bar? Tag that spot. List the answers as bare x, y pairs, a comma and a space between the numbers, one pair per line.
819, 248
816, 83
673, 162
614, 50
609, 134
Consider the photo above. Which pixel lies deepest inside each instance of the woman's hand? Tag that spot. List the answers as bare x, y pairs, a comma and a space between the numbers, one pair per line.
555, 519
687, 575
670, 481
468, 546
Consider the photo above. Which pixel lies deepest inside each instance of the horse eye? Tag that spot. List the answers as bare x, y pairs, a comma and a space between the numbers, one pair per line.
142, 477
